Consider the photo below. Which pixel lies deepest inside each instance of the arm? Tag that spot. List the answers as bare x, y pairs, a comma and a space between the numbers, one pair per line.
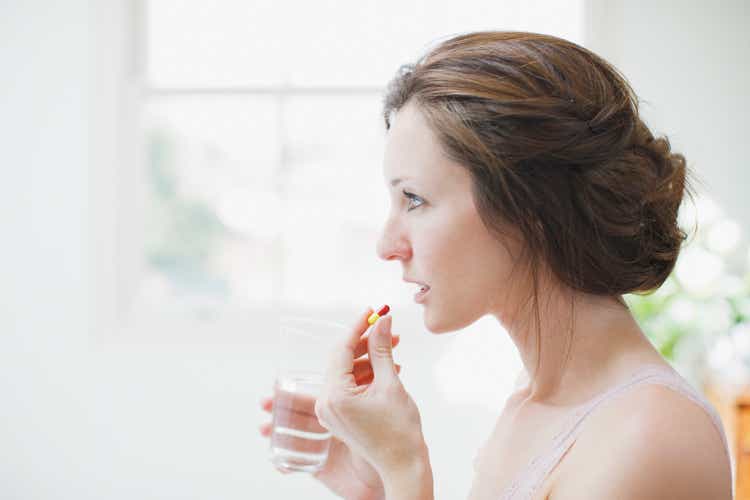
412, 480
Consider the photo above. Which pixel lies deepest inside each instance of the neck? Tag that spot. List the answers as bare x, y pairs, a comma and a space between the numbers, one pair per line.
577, 344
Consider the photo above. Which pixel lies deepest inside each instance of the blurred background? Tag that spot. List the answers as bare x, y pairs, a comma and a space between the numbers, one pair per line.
179, 174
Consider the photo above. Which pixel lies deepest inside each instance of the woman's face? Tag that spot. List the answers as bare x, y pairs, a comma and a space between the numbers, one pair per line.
434, 229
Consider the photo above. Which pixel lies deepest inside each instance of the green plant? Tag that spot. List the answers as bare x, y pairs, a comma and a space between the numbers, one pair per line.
708, 294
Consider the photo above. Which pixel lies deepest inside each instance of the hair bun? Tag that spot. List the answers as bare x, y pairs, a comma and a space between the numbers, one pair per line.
664, 173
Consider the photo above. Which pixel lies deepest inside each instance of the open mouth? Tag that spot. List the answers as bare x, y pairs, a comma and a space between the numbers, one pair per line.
421, 293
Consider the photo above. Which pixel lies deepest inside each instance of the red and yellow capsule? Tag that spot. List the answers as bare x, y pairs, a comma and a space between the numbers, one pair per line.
376, 315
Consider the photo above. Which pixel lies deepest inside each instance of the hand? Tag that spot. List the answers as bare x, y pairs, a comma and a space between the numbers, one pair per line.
345, 473
380, 421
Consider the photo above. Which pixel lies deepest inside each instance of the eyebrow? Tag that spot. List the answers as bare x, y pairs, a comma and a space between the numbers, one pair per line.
396, 181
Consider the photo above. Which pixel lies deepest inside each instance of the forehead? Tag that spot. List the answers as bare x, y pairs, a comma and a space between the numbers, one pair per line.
412, 150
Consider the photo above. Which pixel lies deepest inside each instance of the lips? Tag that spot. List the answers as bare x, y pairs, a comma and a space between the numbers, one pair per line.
423, 286
419, 297
423, 290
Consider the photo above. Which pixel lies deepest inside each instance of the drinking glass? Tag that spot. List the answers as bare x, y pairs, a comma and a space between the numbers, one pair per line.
298, 441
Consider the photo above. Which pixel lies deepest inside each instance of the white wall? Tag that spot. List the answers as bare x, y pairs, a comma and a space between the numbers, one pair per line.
86, 414
82, 418
689, 62
46, 413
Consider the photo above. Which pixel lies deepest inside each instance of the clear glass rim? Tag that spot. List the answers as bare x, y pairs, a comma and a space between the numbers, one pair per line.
287, 320
297, 324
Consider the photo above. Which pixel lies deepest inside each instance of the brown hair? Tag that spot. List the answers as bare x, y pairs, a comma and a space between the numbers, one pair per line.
553, 140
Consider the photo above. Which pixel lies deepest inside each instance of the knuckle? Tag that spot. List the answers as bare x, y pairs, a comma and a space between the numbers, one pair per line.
393, 393
383, 351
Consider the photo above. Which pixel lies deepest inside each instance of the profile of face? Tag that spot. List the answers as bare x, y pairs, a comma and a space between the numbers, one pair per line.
435, 231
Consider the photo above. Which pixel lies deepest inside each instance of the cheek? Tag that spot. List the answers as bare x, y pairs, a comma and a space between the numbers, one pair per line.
437, 247
463, 291
474, 274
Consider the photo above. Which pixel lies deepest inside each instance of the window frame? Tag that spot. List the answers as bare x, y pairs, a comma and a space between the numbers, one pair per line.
118, 175
119, 74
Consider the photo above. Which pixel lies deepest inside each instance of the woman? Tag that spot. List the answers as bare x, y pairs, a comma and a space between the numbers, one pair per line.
525, 185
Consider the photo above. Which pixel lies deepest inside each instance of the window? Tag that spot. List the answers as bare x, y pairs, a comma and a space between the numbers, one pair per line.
258, 182
255, 186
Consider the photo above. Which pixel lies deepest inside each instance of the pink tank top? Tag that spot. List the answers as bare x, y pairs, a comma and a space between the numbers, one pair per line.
530, 479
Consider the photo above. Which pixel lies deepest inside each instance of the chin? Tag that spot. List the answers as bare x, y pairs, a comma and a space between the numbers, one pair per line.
444, 323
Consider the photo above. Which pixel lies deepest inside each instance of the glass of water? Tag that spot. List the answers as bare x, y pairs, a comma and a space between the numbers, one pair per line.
298, 441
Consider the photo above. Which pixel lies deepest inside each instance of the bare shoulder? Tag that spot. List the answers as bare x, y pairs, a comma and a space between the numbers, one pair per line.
650, 442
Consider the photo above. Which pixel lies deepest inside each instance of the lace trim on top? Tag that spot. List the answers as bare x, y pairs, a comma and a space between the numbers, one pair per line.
532, 476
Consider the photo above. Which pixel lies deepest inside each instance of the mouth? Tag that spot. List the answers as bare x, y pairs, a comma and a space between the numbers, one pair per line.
419, 297
422, 290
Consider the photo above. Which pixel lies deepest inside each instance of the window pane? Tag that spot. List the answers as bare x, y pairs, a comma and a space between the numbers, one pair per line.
336, 202
253, 200
266, 42
213, 218
256, 199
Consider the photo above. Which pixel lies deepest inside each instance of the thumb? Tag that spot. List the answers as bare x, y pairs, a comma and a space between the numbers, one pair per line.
380, 351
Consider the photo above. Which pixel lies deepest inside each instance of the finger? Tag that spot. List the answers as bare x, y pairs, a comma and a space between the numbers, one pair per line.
297, 413
266, 403
369, 378
365, 375
299, 444
362, 366
265, 429
361, 348
362, 369
342, 360
381, 352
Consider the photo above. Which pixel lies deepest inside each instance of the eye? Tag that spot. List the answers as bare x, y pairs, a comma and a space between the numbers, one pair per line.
413, 197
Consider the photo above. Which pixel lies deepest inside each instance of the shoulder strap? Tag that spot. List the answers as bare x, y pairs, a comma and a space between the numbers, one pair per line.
538, 469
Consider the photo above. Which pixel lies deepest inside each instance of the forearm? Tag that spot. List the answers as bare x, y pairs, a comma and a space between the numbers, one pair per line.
410, 481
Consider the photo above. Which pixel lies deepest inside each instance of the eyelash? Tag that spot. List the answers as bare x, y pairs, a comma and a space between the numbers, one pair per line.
413, 197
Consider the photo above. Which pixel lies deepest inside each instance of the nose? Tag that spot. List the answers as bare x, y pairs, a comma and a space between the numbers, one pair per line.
393, 243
